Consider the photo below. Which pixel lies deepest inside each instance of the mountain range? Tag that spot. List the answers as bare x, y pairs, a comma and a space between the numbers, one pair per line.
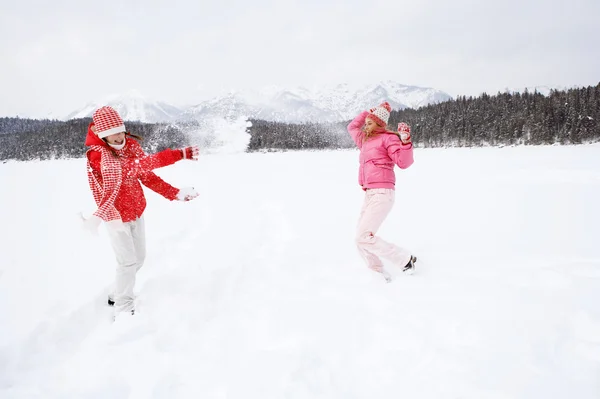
324, 104
132, 106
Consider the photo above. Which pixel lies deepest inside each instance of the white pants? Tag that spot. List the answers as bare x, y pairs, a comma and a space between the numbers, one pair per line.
129, 245
378, 204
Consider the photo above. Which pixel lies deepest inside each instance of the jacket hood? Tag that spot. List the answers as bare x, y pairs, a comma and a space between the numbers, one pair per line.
92, 139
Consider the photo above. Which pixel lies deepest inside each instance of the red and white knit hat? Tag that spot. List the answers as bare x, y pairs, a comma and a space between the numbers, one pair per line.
107, 121
381, 114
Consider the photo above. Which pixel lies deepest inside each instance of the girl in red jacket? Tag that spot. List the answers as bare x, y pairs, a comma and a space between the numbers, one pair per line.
380, 151
116, 164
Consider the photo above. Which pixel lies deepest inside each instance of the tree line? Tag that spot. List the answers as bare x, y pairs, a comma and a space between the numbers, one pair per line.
30, 139
565, 117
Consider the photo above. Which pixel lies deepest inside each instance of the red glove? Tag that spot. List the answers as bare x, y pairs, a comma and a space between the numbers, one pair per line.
191, 153
404, 132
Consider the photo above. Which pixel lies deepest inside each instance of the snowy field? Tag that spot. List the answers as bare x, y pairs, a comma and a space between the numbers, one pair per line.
255, 289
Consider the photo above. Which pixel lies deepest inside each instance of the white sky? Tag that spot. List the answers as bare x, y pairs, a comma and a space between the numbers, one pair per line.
59, 55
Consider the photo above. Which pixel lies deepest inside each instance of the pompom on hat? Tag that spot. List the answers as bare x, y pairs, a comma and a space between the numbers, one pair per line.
107, 121
381, 114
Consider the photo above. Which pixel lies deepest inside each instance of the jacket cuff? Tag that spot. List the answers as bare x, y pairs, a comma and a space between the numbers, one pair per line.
171, 194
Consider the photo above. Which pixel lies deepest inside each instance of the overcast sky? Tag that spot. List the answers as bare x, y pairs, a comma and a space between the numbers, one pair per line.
59, 55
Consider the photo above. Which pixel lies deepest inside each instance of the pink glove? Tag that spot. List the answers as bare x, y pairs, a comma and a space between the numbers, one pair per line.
404, 131
191, 153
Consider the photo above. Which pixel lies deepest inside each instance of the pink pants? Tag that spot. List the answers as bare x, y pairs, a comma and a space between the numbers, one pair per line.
378, 204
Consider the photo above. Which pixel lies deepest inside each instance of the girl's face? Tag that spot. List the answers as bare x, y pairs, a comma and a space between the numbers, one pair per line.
116, 139
370, 125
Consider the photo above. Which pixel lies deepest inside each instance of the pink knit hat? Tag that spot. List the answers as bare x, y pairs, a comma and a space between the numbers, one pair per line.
381, 114
107, 121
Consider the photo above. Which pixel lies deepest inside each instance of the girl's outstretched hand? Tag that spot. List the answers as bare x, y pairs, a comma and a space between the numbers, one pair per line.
404, 132
187, 194
192, 152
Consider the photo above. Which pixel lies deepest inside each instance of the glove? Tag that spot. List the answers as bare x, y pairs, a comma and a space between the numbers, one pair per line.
187, 194
90, 224
191, 153
404, 131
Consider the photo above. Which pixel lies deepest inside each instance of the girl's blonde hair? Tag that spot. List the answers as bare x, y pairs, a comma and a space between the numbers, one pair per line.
379, 130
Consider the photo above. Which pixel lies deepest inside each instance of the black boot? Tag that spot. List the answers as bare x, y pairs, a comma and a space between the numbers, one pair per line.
409, 268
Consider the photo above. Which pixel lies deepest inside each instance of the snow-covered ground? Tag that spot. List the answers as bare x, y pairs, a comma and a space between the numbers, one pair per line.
255, 289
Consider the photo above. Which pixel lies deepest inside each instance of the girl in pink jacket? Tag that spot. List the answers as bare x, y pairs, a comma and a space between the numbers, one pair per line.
380, 150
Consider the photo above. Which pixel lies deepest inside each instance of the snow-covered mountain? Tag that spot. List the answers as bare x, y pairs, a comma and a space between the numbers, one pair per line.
132, 106
351, 100
321, 104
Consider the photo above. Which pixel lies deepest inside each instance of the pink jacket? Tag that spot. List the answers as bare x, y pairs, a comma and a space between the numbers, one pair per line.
378, 155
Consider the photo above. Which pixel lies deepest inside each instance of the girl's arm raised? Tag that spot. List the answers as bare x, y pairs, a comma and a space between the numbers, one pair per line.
145, 163
355, 128
400, 153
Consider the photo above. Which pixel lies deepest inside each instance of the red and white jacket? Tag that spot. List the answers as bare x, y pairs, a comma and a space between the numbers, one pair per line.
115, 175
